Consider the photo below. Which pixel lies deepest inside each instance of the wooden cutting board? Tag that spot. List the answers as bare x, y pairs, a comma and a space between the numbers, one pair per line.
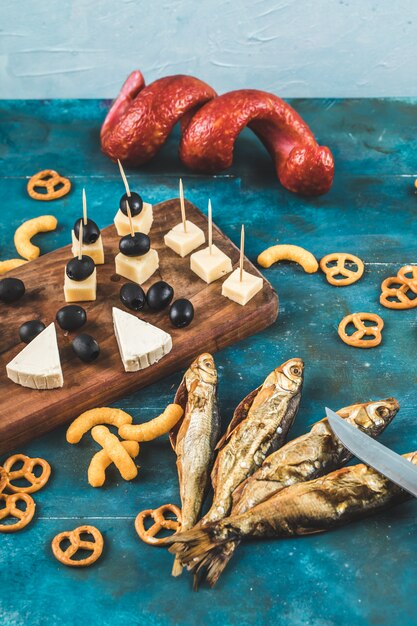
218, 322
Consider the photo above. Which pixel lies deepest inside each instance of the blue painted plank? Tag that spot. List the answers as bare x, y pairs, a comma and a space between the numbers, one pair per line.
360, 574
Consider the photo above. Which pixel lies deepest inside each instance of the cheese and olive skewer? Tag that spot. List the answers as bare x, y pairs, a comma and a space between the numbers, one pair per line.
141, 212
92, 241
136, 260
80, 275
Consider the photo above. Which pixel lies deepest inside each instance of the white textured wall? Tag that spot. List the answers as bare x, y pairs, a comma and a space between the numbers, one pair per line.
85, 48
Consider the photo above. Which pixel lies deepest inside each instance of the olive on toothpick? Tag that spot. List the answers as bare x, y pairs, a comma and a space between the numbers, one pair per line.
129, 199
91, 231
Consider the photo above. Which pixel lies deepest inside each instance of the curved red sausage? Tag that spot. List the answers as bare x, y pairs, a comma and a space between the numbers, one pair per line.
207, 142
141, 118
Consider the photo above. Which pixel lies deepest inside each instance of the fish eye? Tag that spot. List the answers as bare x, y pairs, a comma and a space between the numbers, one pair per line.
382, 411
208, 364
294, 369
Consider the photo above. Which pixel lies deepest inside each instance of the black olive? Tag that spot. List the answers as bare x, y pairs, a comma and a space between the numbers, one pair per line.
132, 296
71, 317
135, 246
135, 203
159, 295
80, 269
86, 348
30, 330
91, 231
11, 289
181, 313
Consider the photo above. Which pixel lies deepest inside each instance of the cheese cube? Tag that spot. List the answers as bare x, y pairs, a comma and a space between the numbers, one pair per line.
80, 290
241, 291
137, 268
184, 242
93, 250
141, 223
210, 267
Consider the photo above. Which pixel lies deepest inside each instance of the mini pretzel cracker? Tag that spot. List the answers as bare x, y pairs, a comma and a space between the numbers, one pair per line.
357, 338
342, 261
11, 509
105, 415
26, 472
154, 428
395, 287
404, 273
27, 230
101, 460
56, 185
114, 449
149, 535
10, 264
287, 252
76, 543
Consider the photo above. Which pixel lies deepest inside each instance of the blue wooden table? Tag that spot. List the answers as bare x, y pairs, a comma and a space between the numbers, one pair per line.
365, 573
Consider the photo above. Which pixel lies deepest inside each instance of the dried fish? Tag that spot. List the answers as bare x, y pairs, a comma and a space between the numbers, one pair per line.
259, 425
343, 496
194, 438
316, 453
307, 457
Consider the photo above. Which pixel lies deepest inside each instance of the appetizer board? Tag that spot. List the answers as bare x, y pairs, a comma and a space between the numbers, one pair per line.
218, 322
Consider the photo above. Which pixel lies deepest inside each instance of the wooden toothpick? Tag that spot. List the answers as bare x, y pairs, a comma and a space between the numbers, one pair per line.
84, 208
210, 226
242, 251
129, 215
123, 175
80, 241
182, 206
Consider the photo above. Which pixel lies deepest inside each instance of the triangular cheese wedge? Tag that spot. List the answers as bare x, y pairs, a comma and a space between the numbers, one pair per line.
38, 365
140, 344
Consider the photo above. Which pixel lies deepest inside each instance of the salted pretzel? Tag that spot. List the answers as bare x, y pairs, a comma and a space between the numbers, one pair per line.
341, 268
398, 288
356, 339
404, 274
149, 535
11, 509
76, 543
26, 472
55, 185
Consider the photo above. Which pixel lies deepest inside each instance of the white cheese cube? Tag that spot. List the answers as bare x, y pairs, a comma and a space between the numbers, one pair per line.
137, 268
38, 365
184, 242
210, 267
140, 344
142, 223
80, 290
241, 291
93, 250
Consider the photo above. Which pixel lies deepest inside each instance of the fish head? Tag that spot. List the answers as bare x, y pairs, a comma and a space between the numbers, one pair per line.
204, 368
289, 376
372, 417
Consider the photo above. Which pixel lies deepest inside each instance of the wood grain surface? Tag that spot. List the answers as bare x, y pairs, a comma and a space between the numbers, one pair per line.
219, 322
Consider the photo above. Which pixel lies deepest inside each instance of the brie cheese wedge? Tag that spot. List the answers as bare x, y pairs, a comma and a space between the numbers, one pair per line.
140, 344
38, 365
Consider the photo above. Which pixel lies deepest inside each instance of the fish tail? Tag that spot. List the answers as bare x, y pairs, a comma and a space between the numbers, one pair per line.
177, 567
204, 551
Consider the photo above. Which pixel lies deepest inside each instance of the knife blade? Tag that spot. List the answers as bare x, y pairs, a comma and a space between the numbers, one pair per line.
382, 459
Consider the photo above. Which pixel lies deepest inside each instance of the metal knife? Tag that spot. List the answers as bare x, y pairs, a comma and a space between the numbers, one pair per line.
385, 461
